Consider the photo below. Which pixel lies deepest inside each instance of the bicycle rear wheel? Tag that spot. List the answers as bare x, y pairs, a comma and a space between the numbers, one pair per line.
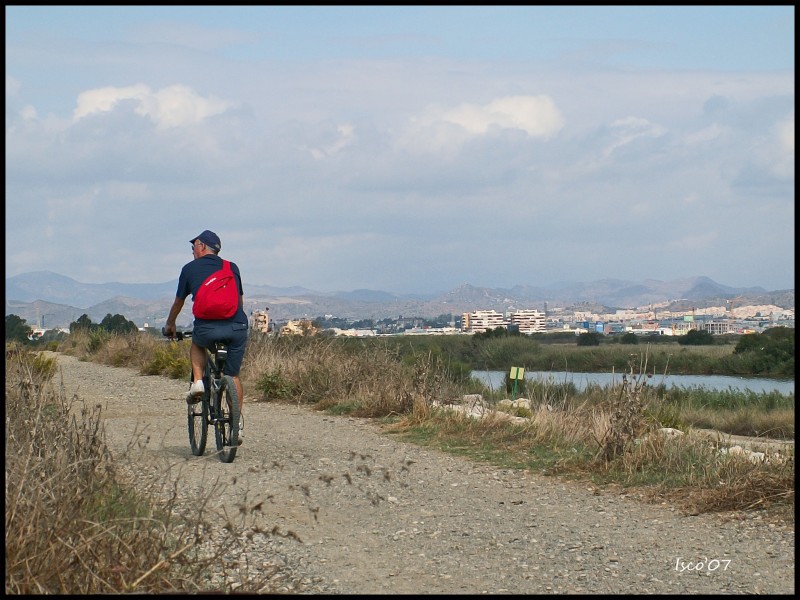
198, 425
197, 416
226, 426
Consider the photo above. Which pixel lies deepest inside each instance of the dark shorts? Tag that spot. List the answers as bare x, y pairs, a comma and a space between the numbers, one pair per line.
234, 333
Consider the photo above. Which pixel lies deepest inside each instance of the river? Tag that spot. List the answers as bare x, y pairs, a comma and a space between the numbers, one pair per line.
494, 379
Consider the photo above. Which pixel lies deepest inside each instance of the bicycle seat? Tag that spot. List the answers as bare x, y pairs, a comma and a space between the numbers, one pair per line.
219, 349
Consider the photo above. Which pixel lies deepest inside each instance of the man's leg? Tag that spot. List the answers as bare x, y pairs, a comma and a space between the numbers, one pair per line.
236, 348
198, 356
239, 391
237, 344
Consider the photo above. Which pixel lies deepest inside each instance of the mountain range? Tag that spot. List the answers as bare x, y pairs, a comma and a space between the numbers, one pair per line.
53, 300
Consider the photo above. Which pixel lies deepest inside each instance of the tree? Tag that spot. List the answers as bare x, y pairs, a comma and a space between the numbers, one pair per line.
629, 338
84, 323
696, 337
52, 335
592, 338
364, 324
497, 332
442, 320
777, 343
17, 329
117, 324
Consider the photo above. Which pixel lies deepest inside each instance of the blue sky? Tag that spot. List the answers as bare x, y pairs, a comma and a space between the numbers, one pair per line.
406, 149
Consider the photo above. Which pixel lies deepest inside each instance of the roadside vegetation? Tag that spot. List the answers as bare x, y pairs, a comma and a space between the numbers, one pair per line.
74, 522
74, 526
768, 354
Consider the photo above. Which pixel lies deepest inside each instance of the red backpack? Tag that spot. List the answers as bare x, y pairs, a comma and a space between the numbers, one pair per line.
218, 296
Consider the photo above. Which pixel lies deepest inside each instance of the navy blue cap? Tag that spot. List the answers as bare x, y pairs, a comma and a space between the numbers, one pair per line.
209, 238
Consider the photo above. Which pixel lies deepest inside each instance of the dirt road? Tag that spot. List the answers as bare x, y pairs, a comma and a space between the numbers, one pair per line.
352, 510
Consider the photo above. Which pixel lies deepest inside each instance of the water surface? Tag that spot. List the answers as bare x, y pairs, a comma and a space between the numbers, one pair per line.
494, 379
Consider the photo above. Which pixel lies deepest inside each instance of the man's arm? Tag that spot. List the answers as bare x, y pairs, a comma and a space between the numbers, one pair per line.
174, 311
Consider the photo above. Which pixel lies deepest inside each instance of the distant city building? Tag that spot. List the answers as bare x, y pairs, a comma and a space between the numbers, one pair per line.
529, 321
480, 321
260, 321
354, 332
717, 327
302, 327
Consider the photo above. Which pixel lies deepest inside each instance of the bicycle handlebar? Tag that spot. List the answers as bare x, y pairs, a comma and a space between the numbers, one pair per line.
179, 335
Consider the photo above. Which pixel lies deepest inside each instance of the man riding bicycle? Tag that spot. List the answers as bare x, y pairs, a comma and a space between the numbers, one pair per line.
205, 249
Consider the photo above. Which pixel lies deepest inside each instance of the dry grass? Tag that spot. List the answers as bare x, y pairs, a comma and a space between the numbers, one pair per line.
607, 435
777, 423
324, 373
743, 485
75, 525
626, 421
696, 476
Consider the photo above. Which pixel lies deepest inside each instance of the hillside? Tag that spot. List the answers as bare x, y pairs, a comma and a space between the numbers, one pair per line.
57, 300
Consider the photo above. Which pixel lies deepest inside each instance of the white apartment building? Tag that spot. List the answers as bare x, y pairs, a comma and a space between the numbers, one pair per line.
718, 327
529, 321
481, 320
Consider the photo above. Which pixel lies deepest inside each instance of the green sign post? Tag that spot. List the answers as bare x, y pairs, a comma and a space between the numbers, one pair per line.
516, 374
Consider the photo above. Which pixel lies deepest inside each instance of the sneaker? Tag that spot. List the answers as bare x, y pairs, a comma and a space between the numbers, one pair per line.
195, 392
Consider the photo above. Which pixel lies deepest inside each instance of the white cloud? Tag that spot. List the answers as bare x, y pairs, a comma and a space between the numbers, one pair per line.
445, 129
535, 115
105, 99
28, 112
784, 160
345, 137
786, 134
172, 106
628, 129
707, 134
405, 172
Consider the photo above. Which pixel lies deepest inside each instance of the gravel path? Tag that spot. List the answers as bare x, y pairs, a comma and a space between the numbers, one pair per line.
353, 510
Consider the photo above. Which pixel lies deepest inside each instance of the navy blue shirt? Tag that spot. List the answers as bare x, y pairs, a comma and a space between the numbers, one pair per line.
194, 273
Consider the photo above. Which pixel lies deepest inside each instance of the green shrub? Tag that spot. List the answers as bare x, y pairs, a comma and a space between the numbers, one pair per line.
274, 386
171, 360
664, 414
771, 352
43, 366
97, 338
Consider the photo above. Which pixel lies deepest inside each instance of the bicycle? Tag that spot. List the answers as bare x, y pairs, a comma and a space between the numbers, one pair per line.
217, 408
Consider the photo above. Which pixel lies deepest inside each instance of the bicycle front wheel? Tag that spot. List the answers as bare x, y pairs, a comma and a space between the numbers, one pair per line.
226, 426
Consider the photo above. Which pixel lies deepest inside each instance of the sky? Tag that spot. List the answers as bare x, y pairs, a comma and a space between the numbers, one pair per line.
407, 149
